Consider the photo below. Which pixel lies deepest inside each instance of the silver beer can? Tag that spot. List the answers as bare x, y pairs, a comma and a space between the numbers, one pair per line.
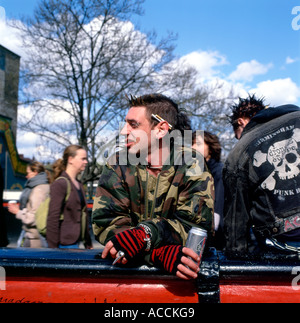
196, 241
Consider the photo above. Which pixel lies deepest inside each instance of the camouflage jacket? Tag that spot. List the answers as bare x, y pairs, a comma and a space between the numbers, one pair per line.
180, 197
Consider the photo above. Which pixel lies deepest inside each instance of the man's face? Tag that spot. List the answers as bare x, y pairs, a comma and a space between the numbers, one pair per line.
242, 123
238, 132
137, 131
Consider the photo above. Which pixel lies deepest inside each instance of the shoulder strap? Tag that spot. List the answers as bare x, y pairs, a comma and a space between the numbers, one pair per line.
68, 187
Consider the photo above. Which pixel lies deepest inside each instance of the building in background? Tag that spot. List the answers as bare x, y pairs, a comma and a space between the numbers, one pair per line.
9, 86
13, 166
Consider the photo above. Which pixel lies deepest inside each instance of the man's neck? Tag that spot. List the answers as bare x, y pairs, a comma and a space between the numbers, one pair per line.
157, 158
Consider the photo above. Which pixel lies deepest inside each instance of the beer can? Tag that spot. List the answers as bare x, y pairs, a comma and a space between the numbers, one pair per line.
196, 241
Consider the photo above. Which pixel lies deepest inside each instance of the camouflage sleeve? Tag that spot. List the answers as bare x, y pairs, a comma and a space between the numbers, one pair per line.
195, 207
196, 201
111, 206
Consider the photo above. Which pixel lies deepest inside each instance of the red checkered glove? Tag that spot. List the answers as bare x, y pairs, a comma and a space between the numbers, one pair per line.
168, 258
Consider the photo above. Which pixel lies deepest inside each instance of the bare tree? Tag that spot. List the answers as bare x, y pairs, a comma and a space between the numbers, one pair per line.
82, 56
208, 107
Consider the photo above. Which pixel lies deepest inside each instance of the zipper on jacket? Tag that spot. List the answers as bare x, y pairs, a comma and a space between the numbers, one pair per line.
146, 197
155, 196
147, 200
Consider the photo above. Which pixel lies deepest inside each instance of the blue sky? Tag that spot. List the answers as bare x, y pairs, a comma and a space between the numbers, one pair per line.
242, 30
250, 43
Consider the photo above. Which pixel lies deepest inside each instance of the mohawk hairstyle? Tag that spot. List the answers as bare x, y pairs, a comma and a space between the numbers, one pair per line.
150, 99
163, 106
246, 108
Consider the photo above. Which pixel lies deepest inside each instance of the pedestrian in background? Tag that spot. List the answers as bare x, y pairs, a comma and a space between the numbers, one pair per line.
67, 233
35, 192
209, 144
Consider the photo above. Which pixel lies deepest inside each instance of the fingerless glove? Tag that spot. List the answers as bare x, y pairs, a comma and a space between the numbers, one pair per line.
167, 258
131, 242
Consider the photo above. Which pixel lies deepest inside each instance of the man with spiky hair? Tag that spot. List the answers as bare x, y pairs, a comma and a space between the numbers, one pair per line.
243, 112
145, 210
262, 179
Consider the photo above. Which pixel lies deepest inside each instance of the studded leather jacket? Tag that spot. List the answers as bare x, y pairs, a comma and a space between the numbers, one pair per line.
262, 180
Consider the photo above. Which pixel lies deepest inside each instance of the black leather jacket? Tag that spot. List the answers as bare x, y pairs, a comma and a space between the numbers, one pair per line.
262, 180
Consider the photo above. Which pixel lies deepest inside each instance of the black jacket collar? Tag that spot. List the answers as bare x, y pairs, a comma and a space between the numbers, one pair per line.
269, 114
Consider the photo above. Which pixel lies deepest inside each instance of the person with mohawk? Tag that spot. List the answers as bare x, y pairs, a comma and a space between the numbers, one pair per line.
262, 180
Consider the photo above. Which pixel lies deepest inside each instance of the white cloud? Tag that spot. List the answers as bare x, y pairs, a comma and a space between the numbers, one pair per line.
30, 145
208, 64
27, 143
9, 38
246, 71
205, 62
49, 116
278, 92
290, 60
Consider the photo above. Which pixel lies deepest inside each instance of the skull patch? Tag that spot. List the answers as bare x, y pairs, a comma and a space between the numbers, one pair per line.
284, 157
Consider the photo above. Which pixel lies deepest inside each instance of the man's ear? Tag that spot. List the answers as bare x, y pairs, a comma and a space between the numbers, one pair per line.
162, 129
242, 122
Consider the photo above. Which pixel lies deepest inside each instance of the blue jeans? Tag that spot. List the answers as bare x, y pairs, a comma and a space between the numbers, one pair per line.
73, 246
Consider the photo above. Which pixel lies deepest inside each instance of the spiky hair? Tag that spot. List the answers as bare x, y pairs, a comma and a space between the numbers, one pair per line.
246, 108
